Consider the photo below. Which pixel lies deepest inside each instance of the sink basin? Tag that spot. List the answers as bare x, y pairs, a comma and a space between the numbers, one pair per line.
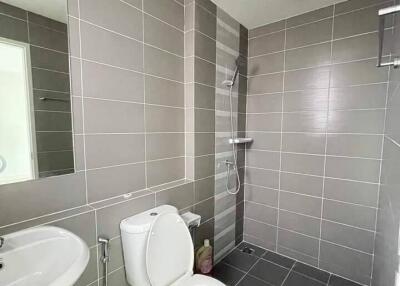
42, 256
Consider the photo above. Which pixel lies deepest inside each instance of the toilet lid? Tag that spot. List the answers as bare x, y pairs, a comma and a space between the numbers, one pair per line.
170, 253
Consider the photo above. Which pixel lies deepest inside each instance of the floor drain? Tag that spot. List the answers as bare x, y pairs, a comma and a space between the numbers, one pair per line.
248, 250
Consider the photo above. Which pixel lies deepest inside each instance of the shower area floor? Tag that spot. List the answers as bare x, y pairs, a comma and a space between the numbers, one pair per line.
266, 268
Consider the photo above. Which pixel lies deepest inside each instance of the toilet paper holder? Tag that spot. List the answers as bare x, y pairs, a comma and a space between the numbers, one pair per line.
191, 220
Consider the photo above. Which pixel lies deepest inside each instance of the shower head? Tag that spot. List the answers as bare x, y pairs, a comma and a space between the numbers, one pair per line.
240, 61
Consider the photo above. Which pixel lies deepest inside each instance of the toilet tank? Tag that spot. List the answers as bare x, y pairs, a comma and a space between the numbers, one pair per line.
134, 234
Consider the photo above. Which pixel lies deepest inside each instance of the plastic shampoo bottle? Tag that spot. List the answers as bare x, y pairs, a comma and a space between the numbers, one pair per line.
204, 262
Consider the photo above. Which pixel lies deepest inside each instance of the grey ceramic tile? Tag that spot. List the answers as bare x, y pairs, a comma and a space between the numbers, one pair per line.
204, 143
205, 209
75, 77
305, 164
204, 166
311, 56
47, 22
298, 255
307, 79
74, 37
346, 262
204, 189
240, 260
300, 204
278, 259
267, 44
116, 256
204, 72
53, 141
310, 17
358, 97
227, 274
115, 149
189, 17
51, 60
352, 192
164, 171
261, 195
205, 120
266, 64
205, 47
358, 216
263, 234
296, 279
114, 181
180, 197
168, 11
263, 178
159, 34
272, 83
367, 146
311, 272
297, 242
269, 272
109, 218
41, 36
106, 47
267, 29
205, 22
251, 281
309, 34
339, 281
52, 121
356, 121
263, 159
12, 28
299, 223
90, 274
366, 170
164, 145
303, 184
126, 117
261, 213
303, 143
264, 103
308, 100
204, 96
164, 119
49, 80
347, 236
264, 140
163, 64
101, 81
13, 11
164, 92
354, 5
58, 161
125, 19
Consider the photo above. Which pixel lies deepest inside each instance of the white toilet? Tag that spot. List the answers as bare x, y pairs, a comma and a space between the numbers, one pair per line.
158, 250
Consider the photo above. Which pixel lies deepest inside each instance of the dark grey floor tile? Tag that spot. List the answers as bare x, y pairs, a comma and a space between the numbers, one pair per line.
258, 251
278, 259
252, 281
295, 279
269, 272
240, 260
227, 274
311, 272
338, 281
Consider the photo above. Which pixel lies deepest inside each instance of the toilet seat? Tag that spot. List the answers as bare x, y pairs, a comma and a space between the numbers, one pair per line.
198, 280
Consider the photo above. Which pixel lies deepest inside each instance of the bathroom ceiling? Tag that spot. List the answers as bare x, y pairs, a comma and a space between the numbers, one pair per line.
255, 13
53, 9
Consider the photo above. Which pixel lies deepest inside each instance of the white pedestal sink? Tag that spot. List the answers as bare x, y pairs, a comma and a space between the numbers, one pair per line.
42, 256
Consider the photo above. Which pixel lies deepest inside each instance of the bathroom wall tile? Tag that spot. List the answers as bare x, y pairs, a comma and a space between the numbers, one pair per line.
164, 145
204, 120
306, 100
311, 56
346, 262
366, 170
189, 17
358, 216
43, 37
264, 122
46, 22
367, 146
264, 141
264, 103
261, 213
262, 159
164, 92
266, 64
106, 47
272, 83
310, 17
164, 119
204, 72
262, 234
163, 64
300, 243
303, 143
164, 171
15, 29
53, 141
52, 121
309, 34
205, 47
51, 60
74, 38
267, 44
361, 121
360, 72
358, 97
109, 217
307, 79
304, 122
204, 189
48, 80
75, 77
204, 166
168, 11
181, 197
299, 223
115, 149
101, 81
12, 11
267, 29
90, 274
114, 181
354, 5
303, 184
348, 236
117, 256
300, 204
205, 209
298, 256
59, 160
205, 22
165, 37
125, 19
351, 192
261, 195
126, 117
204, 143
263, 178
204, 96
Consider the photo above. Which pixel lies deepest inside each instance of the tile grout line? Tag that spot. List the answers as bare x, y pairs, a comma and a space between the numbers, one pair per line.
287, 275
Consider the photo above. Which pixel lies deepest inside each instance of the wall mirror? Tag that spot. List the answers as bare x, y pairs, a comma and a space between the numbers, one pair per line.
35, 101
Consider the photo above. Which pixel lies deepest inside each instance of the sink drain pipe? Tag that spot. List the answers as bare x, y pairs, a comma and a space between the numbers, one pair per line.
105, 257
